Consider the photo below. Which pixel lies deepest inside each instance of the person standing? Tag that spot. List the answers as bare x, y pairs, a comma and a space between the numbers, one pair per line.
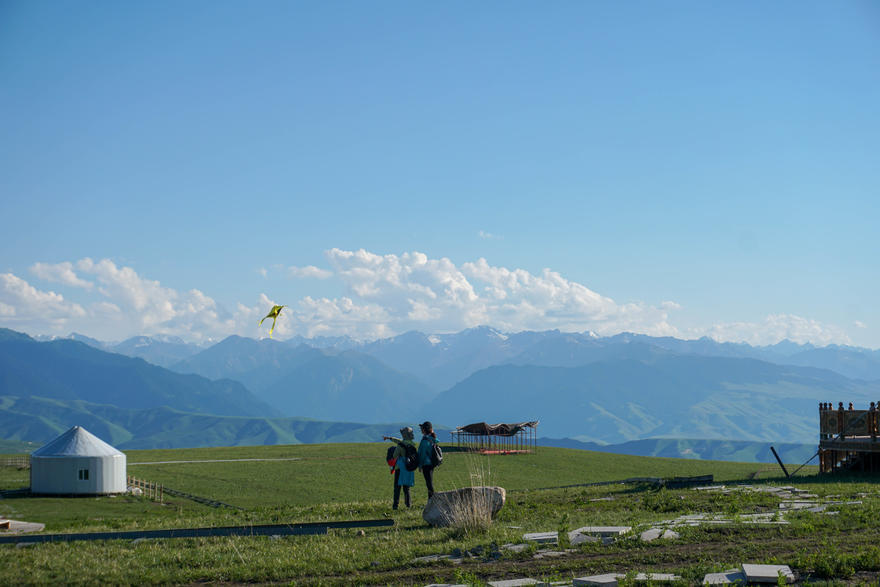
426, 451
402, 477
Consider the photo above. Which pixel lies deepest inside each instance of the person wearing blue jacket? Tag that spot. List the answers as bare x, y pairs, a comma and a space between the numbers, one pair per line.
426, 449
402, 477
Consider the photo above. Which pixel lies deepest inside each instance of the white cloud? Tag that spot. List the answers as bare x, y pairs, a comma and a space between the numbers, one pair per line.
23, 305
382, 295
310, 271
777, 327
436, 295
488, 235
859, 324
60, 273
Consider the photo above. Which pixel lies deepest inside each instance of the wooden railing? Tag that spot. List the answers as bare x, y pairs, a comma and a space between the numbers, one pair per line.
149, 489
842, 422
21, 462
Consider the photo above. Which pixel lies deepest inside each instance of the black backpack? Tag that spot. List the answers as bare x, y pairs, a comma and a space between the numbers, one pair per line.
411, 460
436, 455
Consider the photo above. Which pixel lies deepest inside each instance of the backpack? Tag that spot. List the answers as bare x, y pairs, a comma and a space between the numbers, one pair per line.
411, 460
436, 455
389, 456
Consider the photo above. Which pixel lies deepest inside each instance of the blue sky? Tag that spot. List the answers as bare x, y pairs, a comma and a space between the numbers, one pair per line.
682, 168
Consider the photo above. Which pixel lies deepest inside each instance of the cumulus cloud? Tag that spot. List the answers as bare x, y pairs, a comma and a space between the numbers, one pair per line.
310, 271
129, 304
382, 295
417, 292
777, 327
60, 273
24, 305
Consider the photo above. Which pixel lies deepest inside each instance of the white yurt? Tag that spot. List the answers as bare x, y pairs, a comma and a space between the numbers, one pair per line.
77, 462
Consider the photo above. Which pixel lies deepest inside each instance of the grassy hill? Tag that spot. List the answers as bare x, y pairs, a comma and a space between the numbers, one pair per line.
39, 420
350, 481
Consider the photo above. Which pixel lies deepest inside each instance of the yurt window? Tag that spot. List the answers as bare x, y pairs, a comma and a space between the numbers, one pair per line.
83, 474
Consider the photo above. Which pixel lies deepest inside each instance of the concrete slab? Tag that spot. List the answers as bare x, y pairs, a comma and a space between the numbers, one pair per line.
725, 578
513, 583
18, 527
514, 547
609, 579
604, 530
446, 585
767, 573
541, 537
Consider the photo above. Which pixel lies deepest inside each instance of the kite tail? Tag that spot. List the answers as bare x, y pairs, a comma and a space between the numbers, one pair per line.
273, 328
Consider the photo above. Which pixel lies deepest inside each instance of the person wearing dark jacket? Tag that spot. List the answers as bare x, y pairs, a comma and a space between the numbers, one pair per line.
426, 450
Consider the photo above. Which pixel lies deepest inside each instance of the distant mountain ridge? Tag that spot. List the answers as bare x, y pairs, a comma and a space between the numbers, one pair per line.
616, 389
73, 371
442, 360
317, 383
680, 396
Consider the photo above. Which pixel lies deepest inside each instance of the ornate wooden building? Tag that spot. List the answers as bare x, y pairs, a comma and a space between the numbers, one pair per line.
848, 438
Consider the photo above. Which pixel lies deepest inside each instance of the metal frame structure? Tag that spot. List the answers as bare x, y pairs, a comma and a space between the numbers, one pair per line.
518, 437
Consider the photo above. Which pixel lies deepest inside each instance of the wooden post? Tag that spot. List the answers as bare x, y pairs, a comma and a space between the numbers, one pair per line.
872, 421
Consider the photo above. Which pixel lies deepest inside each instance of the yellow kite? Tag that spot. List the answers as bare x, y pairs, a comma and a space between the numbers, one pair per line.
273, 314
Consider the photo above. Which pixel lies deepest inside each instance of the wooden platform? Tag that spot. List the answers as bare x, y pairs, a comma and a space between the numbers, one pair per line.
848, 438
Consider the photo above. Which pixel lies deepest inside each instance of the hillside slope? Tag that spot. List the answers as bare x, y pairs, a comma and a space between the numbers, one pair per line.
70, 370
676, 396
40, 419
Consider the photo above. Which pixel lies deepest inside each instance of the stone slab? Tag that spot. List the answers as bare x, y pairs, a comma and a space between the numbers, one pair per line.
604, 530
725, 578
609, 579
767, 573
541, 537
513, 583
515, 547
18, 527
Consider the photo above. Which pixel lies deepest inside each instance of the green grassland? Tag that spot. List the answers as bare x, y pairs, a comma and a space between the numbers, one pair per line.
351, 481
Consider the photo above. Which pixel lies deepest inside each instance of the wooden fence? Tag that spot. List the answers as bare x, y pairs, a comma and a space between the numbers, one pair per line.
21, 462
149, 489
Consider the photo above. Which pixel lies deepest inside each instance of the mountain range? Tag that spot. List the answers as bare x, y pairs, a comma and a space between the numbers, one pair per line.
580, 386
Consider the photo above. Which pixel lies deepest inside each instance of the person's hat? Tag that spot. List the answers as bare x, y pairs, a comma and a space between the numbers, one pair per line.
426, 425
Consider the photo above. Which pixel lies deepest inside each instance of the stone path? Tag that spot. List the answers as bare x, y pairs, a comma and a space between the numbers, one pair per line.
747, 574
792, 499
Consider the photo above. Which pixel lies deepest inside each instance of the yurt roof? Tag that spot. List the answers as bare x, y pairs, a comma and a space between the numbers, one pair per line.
76, 442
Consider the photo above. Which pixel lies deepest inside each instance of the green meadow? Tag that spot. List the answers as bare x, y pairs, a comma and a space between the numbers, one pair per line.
305, 483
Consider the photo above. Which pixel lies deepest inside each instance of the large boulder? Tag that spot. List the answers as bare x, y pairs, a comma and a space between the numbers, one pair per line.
449, 508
